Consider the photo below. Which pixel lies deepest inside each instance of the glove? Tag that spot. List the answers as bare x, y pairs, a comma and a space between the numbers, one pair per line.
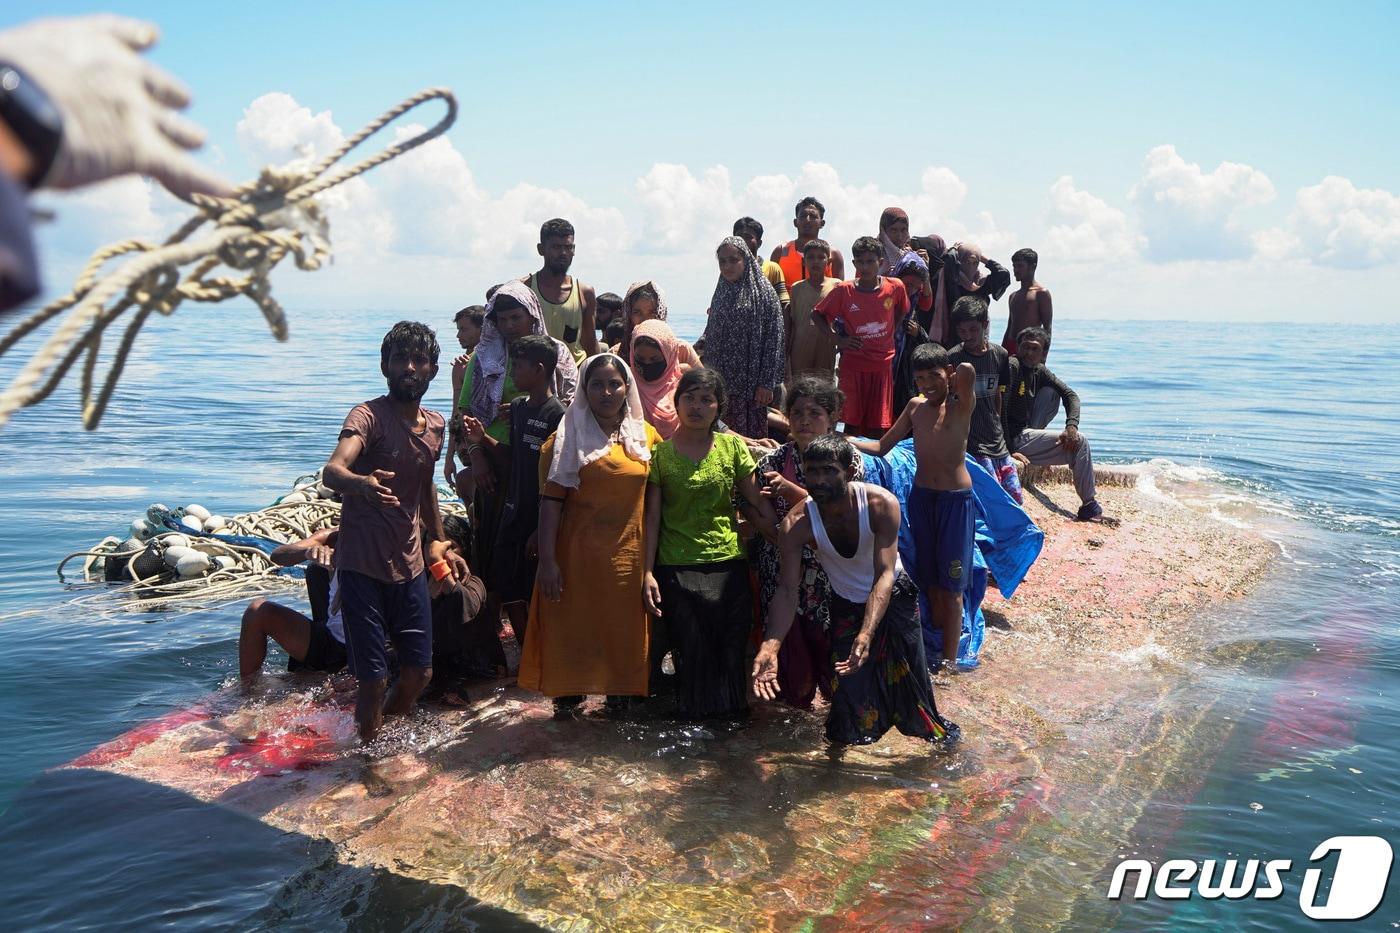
116, 106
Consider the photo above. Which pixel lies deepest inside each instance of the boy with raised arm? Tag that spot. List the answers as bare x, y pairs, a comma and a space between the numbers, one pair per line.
941, 507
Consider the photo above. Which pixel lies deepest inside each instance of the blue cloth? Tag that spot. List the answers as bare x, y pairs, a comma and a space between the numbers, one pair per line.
1008, 543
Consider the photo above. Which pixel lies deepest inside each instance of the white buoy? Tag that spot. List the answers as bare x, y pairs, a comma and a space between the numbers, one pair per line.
192, 564
156, 513
214, 522
173, 555
197, 510
224, 562
142, 529
175, 540
192, 522
293, 497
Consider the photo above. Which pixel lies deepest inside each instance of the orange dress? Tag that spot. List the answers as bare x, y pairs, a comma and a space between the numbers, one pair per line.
594, 639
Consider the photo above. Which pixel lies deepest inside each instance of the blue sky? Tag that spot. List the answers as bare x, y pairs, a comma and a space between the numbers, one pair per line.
586, 99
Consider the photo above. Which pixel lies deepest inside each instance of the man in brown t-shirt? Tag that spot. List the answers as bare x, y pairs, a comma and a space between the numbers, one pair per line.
383, 467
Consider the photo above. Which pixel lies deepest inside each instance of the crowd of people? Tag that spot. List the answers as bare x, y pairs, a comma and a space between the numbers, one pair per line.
656, 518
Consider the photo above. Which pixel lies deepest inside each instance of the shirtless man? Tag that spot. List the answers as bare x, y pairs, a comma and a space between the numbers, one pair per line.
809, 220
854, 529
941, 506
1030, 304
569, 306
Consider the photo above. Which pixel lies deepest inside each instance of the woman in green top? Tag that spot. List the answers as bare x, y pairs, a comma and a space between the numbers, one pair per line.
695, 568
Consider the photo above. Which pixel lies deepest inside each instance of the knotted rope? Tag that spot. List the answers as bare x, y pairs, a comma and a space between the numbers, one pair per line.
252, 232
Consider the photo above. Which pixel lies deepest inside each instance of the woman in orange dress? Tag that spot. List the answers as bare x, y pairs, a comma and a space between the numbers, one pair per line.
587, 632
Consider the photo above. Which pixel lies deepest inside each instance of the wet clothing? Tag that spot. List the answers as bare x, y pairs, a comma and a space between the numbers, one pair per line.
325, 651
892, 688
984, 434
383, 543
802, 657
812, 349
943, 522
563, 321
375, 612
708, 615
594, 639
744, 342
698, 523
706, 600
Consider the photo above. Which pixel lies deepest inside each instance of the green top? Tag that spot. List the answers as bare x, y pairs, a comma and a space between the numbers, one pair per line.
500, 428
697, 511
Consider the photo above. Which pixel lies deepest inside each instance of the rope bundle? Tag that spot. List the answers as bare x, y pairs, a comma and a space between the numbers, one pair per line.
253, 231
249, 571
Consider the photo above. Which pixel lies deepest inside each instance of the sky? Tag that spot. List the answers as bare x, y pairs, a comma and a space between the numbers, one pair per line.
1167, 161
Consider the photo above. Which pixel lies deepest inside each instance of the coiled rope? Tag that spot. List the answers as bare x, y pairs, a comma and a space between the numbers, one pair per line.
251, 572
253, 231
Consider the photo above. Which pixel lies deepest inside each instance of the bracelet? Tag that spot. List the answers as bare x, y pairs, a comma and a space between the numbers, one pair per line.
473, 448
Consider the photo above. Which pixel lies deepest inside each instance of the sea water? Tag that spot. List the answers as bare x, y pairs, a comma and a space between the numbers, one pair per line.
1286, 430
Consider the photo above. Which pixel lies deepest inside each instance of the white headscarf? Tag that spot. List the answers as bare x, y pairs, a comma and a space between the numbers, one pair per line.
492, 357
579, 440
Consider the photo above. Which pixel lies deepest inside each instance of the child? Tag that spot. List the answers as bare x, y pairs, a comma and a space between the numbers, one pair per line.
1030, 305
696, 573
941, 506
468, 321
609, 310
861, 317
811, 348
985, 440
533, 418
752, 233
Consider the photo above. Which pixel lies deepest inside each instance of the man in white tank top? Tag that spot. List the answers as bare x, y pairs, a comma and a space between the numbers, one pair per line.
883, 682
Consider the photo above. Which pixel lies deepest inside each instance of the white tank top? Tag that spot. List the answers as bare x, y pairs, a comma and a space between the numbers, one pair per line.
851, 577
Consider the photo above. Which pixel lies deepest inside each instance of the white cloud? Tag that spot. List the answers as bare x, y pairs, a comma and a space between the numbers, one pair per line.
1187, 213
1335, 223
1085, 228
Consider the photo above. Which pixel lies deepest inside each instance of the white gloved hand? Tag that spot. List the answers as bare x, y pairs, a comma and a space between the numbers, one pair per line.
118, 109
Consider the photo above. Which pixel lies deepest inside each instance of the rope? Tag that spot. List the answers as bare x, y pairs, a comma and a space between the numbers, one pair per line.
253, 231
253, 572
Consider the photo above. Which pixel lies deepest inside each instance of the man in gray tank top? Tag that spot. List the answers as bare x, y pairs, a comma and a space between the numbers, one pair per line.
854, 527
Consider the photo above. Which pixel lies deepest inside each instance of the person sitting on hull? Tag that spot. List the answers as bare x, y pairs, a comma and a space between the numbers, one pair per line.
461, 640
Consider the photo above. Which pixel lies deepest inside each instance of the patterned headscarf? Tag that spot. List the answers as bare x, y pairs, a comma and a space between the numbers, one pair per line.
625, 348
892, 252
658, 402
580, 440
492, 356
734, 302
941, 308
